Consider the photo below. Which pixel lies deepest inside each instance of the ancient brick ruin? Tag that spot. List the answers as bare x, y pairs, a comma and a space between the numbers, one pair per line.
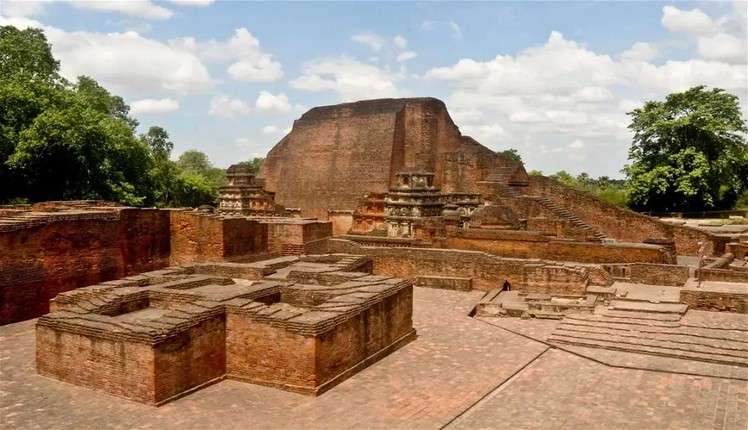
306, 274
301, 324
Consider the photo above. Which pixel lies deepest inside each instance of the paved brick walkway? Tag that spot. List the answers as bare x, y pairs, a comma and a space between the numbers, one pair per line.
562, 391
454, 363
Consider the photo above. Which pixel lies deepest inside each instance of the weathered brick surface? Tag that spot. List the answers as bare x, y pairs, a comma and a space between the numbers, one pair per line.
653, 274
185, 327
335, 155
487, 271
718, 296
62, 251
620, 223
526, 244
199, 237
121, 368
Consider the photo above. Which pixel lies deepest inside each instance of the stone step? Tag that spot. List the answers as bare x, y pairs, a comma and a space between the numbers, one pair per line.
637, 342
655, 335
640, 315
643, 349
700, 332
673, 308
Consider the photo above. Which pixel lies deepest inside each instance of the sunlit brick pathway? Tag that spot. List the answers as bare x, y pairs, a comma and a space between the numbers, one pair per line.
434, 381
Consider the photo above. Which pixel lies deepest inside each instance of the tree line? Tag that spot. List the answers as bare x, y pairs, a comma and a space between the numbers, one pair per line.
689, 154
62, 140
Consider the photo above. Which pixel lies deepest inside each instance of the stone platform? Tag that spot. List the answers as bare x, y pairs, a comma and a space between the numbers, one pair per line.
298, 323
460, 373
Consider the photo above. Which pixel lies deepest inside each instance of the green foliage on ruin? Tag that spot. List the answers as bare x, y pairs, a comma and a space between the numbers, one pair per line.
511, 153
613, 191
63, 140
689, 152
254, 163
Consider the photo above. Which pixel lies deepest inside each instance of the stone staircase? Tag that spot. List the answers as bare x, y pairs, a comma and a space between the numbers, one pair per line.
563, 213
654, 329
557, 210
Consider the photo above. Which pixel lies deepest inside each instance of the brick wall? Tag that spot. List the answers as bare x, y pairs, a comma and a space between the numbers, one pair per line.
81, 360
486, 271
621, 223
200, 237
724, 275
49, 255
130, 369
654, 274
335, 155
40, 260
719, 301
272, 355
526, 244
342, 222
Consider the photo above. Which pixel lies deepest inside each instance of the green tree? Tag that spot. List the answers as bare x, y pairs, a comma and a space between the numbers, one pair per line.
26, 53
255, 163
157, 139
511, 153
194, 161
689, 152
611, 190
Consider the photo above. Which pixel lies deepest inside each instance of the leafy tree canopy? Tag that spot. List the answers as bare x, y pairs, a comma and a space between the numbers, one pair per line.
26, 54
62, 140
255, 163
689, 152
511, 154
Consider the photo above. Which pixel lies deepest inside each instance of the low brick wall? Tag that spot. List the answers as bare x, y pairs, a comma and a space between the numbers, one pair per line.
655, 274
525, 244
444, 282
289, 236
733, 299
48, 255
724, 275
201, 237
486, 271
269, 354
130, 369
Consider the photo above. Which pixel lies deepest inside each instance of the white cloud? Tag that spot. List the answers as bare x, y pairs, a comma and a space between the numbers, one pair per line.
543, 97
454, 29
405, 56
577, 144
227, 107
486, 133
641, 51
400, 42
351, 79
145, 9
140, 8
723, 39
248, 61
526, 117
723, 47
267, 102
196, 3
689, 21
593, 94
270, 129
126, 63
243, 142
374, 41
22, 8
154, 106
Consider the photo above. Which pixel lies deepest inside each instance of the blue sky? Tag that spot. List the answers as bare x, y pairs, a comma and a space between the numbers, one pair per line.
551, 79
